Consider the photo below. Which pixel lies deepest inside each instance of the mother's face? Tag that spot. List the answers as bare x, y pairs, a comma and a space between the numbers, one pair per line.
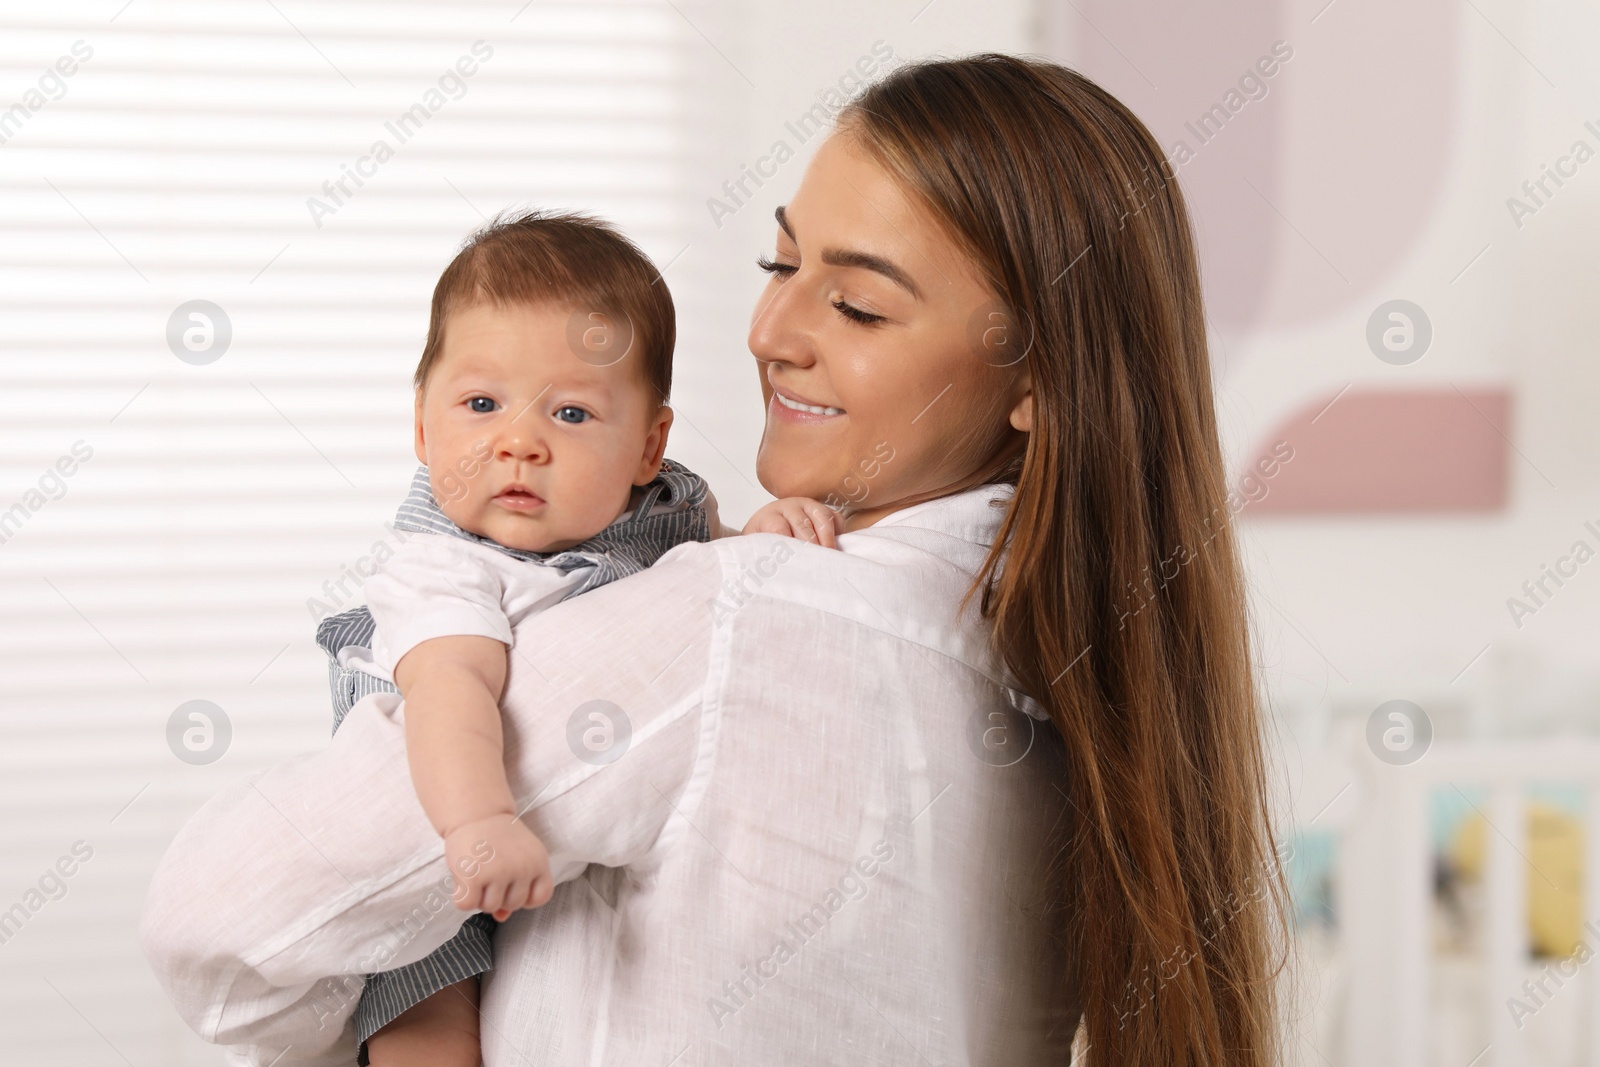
887, 371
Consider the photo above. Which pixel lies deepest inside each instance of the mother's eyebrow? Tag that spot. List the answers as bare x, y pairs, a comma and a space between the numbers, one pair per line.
849, 257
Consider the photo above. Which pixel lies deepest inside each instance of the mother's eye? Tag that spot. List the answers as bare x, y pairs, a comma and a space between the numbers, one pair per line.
573, 415
855, 314
771, 266
482, 405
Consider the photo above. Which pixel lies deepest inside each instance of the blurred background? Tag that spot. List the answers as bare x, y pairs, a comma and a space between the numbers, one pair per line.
220, 224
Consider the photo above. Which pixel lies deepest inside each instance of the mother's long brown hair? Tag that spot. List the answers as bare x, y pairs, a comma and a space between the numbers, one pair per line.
1114, 589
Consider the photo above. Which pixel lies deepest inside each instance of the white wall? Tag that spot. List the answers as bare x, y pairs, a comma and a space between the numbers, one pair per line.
1399, 606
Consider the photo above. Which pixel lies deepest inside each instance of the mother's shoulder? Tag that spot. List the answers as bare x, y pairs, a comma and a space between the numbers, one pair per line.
922, 558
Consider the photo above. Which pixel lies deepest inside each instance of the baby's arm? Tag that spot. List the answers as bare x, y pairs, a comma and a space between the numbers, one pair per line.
798, 516
793, 516
454, 745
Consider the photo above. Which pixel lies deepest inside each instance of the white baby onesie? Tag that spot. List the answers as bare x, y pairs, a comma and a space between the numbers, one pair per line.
436, 585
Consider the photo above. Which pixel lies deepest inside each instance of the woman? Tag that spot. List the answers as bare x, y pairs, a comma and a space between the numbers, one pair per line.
832, 830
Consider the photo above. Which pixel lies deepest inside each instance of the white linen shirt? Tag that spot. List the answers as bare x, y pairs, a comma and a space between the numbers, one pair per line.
436, 585
822, 833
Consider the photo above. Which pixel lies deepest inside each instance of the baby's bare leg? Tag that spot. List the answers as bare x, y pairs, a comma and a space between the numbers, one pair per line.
441, 1031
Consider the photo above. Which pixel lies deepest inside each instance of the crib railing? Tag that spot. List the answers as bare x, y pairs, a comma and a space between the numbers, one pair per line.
1384, 889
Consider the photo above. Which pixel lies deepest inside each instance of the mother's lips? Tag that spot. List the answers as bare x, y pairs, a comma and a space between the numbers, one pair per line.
811, 409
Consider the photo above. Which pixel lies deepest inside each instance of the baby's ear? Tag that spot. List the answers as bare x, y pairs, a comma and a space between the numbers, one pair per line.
421, 445
655, 445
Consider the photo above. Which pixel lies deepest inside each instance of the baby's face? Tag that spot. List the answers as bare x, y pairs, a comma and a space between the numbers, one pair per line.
526, 443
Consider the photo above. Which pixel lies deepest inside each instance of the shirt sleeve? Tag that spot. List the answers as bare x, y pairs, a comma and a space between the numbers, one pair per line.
440, 586
281, 891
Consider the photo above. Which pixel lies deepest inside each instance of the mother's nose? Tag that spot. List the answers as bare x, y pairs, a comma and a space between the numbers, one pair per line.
781, 329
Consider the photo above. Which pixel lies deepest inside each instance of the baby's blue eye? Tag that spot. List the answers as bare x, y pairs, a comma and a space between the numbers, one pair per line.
573, 415
482, 405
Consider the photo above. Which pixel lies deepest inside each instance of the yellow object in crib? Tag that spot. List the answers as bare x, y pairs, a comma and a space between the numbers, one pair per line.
1554, 848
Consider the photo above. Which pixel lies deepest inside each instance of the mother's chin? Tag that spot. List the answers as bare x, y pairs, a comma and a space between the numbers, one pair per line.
804, 459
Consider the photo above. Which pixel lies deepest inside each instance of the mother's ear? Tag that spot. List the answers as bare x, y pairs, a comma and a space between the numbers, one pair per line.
1021, 417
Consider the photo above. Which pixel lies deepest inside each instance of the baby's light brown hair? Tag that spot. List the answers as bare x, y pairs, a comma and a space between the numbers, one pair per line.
538, 257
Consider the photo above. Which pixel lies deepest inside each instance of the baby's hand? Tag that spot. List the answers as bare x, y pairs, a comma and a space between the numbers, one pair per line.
499, 866
798, 516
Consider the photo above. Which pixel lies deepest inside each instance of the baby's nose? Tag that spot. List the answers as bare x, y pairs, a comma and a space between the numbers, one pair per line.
522, 438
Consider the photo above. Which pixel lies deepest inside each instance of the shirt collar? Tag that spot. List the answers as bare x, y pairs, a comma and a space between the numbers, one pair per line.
669, 510
971, 515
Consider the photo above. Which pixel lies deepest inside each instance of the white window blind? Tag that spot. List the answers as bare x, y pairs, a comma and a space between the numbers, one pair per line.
228, 153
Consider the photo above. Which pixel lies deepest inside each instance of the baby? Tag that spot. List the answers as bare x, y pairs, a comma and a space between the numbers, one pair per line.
541, 421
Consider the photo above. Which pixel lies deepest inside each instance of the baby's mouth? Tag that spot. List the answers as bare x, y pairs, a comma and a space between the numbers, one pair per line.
518, 499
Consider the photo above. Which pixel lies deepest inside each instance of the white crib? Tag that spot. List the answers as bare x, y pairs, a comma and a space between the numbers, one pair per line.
1384, 893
